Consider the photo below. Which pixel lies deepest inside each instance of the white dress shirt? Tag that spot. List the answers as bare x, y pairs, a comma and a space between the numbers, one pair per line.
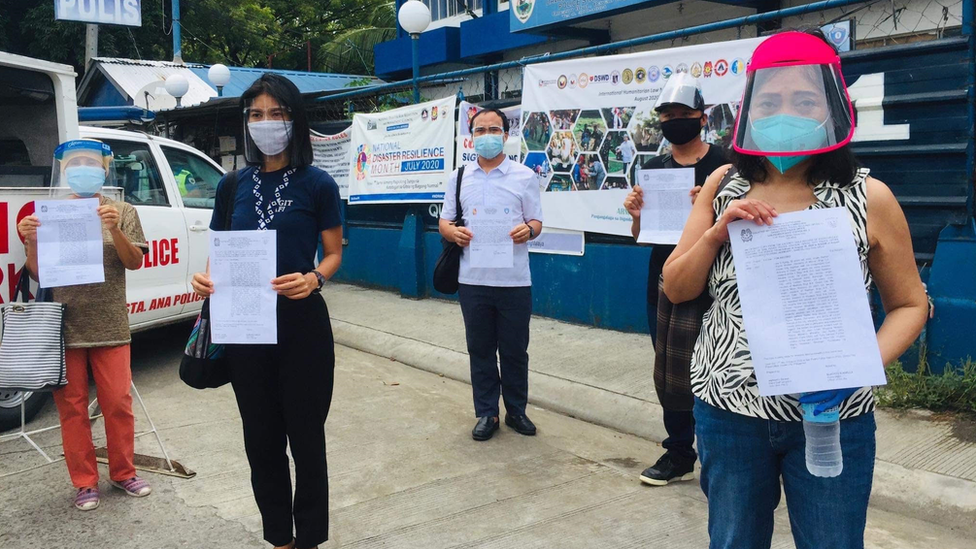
510, 185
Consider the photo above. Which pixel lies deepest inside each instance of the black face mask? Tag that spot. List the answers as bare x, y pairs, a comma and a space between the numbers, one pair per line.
681, 130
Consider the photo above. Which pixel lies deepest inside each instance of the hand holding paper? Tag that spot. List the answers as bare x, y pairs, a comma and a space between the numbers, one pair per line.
665, 204
69, 242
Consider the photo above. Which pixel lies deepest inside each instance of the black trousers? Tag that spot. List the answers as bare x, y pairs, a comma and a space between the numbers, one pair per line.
497, 320
284, 392
679, 425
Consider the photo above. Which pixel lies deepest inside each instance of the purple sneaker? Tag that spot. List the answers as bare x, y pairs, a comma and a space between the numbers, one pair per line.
86, 499
135, 487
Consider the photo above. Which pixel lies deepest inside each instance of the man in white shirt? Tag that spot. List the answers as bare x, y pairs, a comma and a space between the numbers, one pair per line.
627, 150
496, 303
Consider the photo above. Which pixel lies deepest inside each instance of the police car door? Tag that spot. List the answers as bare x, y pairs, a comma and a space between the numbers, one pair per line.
196, 179
155, 290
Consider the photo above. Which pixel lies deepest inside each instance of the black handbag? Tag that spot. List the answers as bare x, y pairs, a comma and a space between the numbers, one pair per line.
449, 263
204, 364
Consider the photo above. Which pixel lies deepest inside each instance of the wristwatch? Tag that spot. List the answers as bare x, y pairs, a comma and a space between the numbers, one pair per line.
531, 231
320, 277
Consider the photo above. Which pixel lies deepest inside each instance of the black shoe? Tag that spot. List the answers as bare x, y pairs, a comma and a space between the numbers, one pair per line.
666, 470
522, 425
485, 428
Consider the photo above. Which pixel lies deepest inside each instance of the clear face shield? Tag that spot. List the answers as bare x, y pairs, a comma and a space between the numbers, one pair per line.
681, 89
796, 105
267, 132
83, 168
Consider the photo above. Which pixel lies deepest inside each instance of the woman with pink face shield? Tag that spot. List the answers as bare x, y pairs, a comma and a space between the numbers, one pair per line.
791, 143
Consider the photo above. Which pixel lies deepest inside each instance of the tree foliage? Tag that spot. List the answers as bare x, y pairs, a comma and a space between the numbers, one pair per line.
338, 35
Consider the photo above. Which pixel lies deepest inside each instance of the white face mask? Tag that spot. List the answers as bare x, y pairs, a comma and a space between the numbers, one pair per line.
271, 136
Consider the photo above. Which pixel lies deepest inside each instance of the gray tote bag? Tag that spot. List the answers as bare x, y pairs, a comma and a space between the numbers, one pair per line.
32, 345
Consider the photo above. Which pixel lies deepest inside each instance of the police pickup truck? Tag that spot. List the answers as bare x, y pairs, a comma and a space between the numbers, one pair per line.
170, 184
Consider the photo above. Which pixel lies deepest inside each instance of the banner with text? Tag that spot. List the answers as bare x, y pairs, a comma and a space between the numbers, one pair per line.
402, 155
331, 153
589, 124
465, 144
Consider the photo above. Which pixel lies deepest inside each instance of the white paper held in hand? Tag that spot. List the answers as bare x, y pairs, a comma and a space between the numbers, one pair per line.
667, 204
70, 250
491, 245
243, 307
804, 304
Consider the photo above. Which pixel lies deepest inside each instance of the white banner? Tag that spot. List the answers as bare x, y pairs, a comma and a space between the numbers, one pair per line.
588, 124
402, 155
331, 153
465, 144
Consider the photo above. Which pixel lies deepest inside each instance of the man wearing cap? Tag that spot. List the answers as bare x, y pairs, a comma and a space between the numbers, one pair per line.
681, 109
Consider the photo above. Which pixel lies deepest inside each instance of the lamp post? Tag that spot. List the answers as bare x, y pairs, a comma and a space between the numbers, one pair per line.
414, 17
219, 76
177, 86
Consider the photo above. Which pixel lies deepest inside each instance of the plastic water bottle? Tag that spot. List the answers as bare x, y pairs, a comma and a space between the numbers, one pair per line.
823, 453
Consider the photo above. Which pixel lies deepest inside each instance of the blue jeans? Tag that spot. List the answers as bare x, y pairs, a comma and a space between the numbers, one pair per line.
743, 459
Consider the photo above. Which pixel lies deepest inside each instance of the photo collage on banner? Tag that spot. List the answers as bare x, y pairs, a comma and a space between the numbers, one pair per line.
589, 124
331, 153
403, 155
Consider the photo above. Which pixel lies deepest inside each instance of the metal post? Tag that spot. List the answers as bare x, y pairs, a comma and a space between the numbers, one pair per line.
177, 39
91, 44
415, 46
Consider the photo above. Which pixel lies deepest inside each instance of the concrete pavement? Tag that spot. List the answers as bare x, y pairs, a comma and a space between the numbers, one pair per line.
404, 473
926, 466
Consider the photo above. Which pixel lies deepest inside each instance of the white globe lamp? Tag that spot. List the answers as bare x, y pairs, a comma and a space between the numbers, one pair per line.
414, 17
219, 76
177, 86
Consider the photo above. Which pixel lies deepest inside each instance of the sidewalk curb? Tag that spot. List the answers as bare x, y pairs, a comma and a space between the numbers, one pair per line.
940, 499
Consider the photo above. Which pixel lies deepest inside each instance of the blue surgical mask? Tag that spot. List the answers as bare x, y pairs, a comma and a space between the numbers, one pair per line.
488, 146
85, 181
788, 133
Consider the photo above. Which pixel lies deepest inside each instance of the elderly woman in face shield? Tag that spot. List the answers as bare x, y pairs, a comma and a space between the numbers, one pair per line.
792, 154
284, 391
96, 329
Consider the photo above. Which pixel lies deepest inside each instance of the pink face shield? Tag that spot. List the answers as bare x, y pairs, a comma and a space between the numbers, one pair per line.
795, 102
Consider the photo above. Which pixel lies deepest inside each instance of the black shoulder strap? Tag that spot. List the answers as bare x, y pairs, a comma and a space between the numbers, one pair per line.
726, 179
231, 198
457, 197
669, 162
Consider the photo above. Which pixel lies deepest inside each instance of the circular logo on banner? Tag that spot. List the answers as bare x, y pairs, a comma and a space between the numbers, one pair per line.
423, 115
433, 114
572, 81
362, 162
628, 76
707, 69
562, 82
584, 80
696, 70
738, 66
640, 75
614, 78
721, 67
681, 68
653, 73
523, 9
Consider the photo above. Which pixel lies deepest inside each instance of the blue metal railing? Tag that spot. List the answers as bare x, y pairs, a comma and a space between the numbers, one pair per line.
605, 48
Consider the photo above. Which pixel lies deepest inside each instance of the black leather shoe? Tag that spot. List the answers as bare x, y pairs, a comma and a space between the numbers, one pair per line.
485, 428
522, 425
666, 470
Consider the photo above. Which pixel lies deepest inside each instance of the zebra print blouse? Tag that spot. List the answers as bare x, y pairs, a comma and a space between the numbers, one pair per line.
721, 368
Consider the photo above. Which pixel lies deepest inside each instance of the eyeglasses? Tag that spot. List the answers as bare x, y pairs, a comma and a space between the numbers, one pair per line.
276, 113
481, 130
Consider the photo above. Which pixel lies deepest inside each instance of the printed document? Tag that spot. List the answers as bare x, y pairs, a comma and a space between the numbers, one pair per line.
491, 246
69, 243
667, 204
243, 307
804, 305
